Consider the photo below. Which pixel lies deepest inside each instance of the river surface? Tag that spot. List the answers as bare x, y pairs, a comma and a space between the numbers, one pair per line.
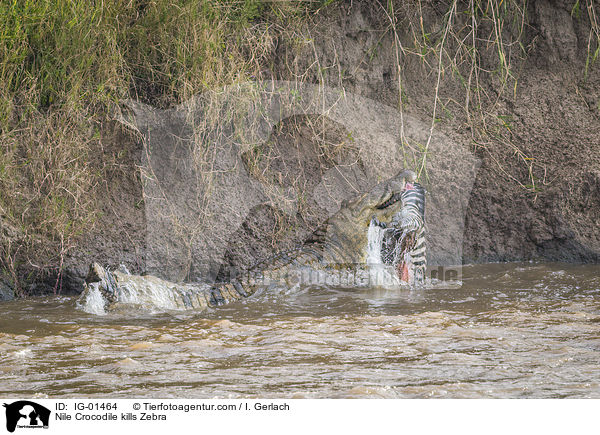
511, 331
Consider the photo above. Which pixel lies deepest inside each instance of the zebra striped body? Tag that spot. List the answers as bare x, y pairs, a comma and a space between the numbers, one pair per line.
403, 244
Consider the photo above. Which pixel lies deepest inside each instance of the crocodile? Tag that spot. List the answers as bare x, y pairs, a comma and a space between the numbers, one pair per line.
338, 244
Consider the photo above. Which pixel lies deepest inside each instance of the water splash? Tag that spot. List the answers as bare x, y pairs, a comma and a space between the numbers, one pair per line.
380, 275
146, 293
93, 301
153, 294
374, 239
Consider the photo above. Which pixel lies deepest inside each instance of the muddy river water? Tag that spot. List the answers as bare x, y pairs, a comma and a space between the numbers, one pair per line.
511, 331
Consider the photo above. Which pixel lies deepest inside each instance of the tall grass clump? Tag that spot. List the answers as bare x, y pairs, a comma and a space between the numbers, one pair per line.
64, 67
60, 68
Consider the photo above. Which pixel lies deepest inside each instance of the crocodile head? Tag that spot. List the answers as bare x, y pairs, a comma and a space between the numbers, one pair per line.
345, 239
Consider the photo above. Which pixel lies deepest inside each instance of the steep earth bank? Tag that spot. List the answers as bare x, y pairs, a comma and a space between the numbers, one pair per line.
536, 194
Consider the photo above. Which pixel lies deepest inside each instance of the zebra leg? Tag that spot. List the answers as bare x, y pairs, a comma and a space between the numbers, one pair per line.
419, 275
418, 257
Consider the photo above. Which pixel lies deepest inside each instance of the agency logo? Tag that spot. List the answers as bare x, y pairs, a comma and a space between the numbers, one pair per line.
26, 414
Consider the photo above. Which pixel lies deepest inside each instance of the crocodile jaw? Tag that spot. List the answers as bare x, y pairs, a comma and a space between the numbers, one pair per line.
347, 229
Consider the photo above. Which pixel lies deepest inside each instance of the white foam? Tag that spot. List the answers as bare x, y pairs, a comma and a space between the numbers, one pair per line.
374, 237
380, 275
92, 301
150, 294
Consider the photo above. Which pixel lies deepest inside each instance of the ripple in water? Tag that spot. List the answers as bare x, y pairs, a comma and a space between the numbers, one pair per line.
512, 330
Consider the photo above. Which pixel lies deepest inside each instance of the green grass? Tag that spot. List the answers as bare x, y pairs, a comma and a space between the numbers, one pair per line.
66, 64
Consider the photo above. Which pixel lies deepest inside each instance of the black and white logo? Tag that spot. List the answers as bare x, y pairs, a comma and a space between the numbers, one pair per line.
26, 414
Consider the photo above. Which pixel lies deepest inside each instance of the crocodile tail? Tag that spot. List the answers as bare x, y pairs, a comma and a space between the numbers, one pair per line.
194, 297
225, 293
116, 287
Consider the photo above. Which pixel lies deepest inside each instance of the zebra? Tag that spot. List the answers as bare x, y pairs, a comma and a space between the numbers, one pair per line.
403, 242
